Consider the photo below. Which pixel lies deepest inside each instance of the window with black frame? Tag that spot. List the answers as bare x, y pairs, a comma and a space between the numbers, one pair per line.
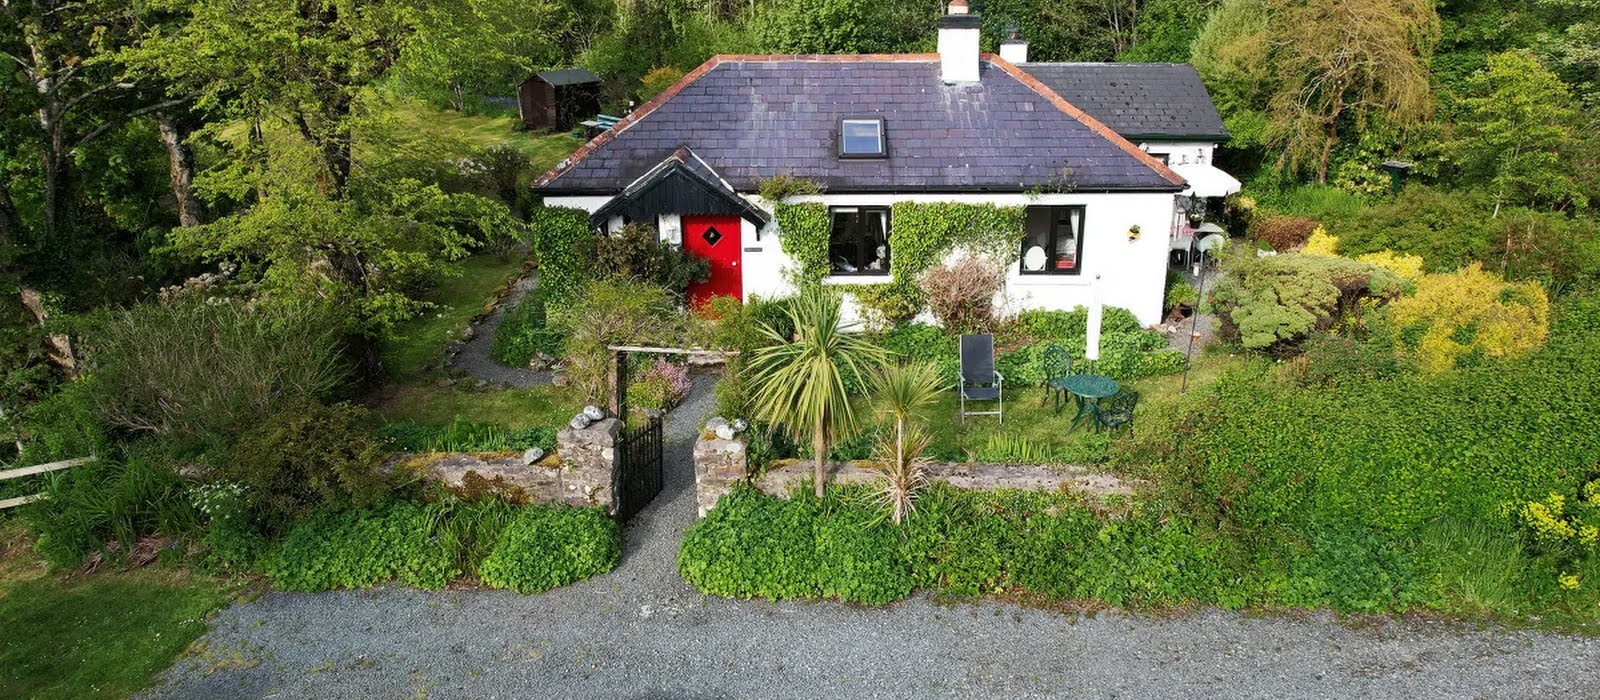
1053, 241
859, 241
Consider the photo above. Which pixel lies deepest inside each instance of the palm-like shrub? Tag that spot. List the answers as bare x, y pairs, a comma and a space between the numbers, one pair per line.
901, 391
800, 384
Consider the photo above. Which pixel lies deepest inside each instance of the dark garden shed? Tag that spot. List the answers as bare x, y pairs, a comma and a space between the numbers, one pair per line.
558, 99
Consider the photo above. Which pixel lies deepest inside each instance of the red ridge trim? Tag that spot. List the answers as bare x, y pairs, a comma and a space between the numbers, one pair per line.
1094, 124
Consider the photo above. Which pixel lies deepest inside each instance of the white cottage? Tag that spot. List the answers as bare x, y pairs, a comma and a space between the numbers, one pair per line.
875, 130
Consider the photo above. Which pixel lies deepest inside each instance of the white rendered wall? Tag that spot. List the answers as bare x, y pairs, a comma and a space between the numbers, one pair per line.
1131, 274
1181, 152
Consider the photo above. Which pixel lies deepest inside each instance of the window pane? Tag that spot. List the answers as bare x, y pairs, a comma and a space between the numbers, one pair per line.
859, 241
862, 137
1065, 255
842, 243
1036, 242
875, 230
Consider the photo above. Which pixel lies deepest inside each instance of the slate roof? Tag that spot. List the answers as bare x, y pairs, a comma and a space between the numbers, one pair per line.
681, 183
752, 117
1141, 101
567, 76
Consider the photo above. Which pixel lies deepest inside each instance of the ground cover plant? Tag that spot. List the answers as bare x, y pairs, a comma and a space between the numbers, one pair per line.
528, 548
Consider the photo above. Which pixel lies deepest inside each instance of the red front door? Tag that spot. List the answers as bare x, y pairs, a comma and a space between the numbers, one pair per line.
718, 240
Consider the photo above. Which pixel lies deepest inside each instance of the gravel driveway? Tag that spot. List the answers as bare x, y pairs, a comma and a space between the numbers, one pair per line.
641, 632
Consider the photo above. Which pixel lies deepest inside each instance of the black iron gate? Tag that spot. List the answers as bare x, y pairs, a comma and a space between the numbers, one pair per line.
639, 463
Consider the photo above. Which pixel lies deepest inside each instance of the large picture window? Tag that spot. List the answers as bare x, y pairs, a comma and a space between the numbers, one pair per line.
1053, 244
859, 242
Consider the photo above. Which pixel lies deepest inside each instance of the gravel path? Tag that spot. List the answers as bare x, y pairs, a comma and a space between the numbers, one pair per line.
641, 632
477, 357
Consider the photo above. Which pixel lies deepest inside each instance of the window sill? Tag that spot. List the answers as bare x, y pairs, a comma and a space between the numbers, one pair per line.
1049, 280
859, 278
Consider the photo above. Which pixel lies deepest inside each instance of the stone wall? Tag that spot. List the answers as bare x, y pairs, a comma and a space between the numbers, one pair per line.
583, 472
589, 460
718, 465
783, 479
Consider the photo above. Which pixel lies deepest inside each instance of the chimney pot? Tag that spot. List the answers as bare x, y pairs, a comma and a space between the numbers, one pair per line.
956, 7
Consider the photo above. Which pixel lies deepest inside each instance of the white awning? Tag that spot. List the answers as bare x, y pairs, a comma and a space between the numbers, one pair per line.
1206, 181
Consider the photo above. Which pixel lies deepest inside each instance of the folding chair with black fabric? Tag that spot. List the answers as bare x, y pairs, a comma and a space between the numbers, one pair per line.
1118, 410
980, 381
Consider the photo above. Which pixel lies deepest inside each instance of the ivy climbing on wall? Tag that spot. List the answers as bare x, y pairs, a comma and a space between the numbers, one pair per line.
921, 235
559, 235
803, 235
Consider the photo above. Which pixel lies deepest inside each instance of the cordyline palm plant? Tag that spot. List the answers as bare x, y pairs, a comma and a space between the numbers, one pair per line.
900, 393
800, 384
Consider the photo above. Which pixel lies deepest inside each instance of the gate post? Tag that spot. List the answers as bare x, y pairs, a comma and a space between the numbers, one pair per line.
619, 383
589, 463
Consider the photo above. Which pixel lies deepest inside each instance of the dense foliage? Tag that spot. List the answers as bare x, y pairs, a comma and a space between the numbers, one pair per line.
1275, 302
546, 547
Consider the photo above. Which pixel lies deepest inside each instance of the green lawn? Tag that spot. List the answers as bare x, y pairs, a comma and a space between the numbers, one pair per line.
474, 131
513, 409
1028, 421
419, 340
103, 635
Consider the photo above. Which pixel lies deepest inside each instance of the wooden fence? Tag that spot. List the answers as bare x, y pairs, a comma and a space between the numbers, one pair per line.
30, 471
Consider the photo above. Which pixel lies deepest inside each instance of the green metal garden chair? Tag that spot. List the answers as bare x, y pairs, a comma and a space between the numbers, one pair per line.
1118, 411
1055, 364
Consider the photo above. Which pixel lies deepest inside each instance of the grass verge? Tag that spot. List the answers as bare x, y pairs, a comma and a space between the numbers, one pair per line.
103, 635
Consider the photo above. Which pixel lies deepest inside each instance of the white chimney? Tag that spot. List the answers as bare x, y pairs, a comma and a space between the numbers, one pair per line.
958, 44
1014, 49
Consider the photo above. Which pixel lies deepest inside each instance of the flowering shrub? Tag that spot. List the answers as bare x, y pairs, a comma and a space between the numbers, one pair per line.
661, 387
1566, 532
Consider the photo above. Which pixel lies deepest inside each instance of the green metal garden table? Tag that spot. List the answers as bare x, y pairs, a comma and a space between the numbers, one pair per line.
1087, 390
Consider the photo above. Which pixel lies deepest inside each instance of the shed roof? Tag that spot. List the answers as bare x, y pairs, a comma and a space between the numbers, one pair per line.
753, 117
1141, 101
567, 76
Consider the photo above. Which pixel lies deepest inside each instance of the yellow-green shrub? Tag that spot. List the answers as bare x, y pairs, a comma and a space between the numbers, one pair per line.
1460, 317
1407, 267
1321, 243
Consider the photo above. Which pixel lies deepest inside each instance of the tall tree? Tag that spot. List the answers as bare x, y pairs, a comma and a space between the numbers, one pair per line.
303, 216
1516, 134
1345, 62
470, 48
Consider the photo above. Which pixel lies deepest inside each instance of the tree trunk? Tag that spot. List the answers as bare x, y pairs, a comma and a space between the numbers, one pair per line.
10, 222
180, 171
60, 344
819, 451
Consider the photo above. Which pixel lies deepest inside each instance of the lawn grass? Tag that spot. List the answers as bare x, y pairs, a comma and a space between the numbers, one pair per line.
104, 635
1031, 418
477, 131
512, 409
457, 299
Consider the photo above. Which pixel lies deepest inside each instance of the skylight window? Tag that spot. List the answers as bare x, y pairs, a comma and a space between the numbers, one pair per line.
861, 138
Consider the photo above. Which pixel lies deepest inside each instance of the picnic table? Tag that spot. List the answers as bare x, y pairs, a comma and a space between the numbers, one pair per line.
601, 122
1087, 390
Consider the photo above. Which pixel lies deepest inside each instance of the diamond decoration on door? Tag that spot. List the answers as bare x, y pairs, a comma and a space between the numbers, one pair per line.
711, 236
